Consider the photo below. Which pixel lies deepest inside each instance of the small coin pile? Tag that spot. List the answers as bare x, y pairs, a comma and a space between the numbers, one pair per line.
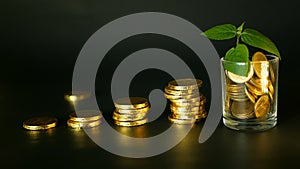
253, 98
187, 103
40, 123
131, 111
84, 119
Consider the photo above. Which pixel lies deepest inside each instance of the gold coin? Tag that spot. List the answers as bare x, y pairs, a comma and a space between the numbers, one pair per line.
133, 111
131, 123
179, 101
262, 106
192, 104
272, 74
189, 117
250, 96
242, 110
188, 96
85, 115
185, 84
260, 64
131, 103
187, 109
78, 125
227, 102
40, 123
254, 90
128, 117
74, 96
183, 93
271, 88
240, 79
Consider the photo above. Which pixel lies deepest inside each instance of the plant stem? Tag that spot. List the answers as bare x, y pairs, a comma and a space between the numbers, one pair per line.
238, 39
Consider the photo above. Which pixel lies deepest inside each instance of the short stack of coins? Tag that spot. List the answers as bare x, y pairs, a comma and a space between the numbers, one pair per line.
187, 103
253, 98
131, 111
84, 119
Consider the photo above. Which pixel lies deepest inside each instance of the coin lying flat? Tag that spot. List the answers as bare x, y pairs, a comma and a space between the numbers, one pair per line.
132, 111
185, 84
40, 123
85, 115
128, 117
131, 103
262, 106
240, 79
78, 125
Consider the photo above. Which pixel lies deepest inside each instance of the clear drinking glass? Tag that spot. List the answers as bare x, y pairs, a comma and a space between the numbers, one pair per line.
250, 103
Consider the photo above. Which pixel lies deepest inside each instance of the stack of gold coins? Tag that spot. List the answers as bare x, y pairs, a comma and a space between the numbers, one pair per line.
84, 119
260, 88
40, 123
131, 111
187, 103
252, 98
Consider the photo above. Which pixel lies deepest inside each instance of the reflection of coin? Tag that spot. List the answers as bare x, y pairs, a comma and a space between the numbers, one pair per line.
181, 121
131, 103
74, 96
240, 79
185, 84
242, 110
40, 123
262, 106
131, 123
260, 64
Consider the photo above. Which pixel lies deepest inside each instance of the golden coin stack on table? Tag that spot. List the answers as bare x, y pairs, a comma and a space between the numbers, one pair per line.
187, 103
253, 98
131, 111
84, 119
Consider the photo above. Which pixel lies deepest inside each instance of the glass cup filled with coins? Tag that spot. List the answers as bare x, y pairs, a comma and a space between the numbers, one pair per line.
250, 102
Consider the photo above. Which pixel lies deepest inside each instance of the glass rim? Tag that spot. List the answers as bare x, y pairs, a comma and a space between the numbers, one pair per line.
271, 58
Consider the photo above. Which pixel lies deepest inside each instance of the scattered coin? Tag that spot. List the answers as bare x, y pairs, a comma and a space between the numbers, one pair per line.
40, 123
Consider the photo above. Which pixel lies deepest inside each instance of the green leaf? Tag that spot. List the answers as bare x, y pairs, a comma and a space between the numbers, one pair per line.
240, 28
257, 39
221, 32
238, 54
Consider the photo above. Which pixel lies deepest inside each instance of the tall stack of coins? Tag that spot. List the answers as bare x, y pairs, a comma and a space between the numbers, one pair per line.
187, 103
253, 97
131, 111
84, 119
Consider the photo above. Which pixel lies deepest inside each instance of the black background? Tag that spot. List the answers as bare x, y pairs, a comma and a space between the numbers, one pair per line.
40, 41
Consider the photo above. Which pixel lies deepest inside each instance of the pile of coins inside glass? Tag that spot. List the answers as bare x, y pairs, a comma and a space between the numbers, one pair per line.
251, 96
187, 103
131, 111
84, 119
